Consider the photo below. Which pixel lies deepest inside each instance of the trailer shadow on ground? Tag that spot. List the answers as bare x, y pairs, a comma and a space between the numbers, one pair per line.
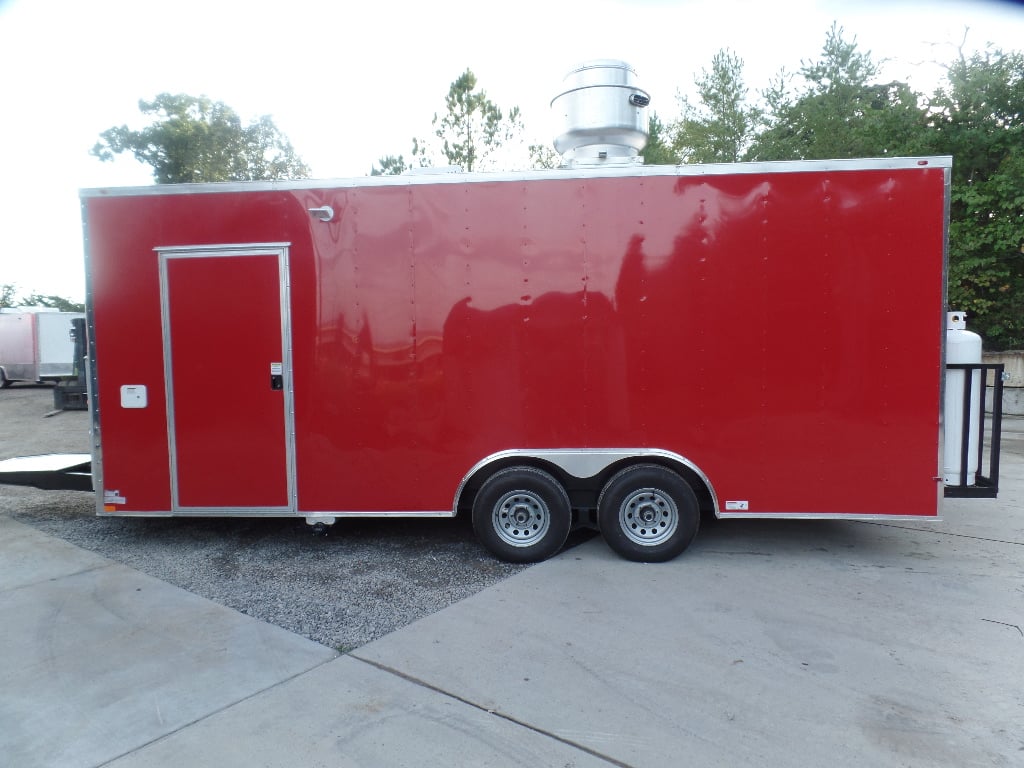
789, 538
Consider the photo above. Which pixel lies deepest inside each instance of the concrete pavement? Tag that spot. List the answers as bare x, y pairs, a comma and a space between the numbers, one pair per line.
99, 659
768, 643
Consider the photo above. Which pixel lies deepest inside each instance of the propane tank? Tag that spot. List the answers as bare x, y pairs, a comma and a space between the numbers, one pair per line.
962, 346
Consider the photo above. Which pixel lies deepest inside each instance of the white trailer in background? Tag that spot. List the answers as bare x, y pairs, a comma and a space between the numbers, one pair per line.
36, 345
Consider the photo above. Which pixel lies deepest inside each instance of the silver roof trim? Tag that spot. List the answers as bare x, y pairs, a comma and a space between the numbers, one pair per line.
639, 171
850, 517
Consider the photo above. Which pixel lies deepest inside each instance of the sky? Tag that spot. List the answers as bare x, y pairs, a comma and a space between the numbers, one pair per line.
349, 82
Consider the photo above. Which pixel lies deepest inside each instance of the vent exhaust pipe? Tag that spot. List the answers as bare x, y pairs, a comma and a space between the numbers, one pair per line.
601, 114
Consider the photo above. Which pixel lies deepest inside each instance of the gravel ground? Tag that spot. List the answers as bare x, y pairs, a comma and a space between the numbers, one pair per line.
362, 580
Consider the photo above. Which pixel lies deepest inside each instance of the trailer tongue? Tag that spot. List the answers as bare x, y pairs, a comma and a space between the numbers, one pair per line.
51, 472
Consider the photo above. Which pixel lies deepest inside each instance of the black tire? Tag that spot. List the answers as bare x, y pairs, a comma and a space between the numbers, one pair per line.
648, 513
522, 515
4, 381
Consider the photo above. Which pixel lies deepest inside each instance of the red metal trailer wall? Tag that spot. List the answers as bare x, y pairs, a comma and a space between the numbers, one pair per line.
782, 330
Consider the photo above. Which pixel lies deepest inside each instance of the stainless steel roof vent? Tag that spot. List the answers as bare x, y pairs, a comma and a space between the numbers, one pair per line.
602, 114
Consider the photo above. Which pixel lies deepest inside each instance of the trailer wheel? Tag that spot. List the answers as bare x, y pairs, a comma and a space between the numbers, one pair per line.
648, 513
522, 515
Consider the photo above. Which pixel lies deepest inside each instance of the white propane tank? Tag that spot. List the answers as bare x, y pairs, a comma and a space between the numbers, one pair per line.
962, 346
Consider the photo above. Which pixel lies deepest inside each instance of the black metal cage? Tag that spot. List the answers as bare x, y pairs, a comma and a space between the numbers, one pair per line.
986, 486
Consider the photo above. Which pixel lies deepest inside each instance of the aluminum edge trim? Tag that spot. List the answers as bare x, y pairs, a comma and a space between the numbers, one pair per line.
275, 512
91, 379
445, 513
284, 511
941, 458
697, 170
223, 249
280, 252
165, 333
848, 516
284, 278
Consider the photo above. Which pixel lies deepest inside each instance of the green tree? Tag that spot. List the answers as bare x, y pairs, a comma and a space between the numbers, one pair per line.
53, 302
721, 126
194, 139
544, 156
472, 132
8, 298
840, 111
658, 150
390, 165
978, 118
473, 128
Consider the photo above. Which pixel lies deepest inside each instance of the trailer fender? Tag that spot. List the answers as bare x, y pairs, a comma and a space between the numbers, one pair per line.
588, 467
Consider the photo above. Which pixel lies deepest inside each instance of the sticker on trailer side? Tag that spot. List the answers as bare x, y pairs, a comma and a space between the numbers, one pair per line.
113, 497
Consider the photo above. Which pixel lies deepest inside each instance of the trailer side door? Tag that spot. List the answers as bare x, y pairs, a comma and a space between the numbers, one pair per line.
227, 362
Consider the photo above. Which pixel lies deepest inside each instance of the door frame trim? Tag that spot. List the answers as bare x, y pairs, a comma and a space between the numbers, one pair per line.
280, 252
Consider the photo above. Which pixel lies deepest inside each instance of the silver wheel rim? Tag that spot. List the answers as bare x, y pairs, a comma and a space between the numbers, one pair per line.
521, 518
648, 517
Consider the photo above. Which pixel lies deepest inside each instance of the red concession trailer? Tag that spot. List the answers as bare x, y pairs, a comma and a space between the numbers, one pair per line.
621, 346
